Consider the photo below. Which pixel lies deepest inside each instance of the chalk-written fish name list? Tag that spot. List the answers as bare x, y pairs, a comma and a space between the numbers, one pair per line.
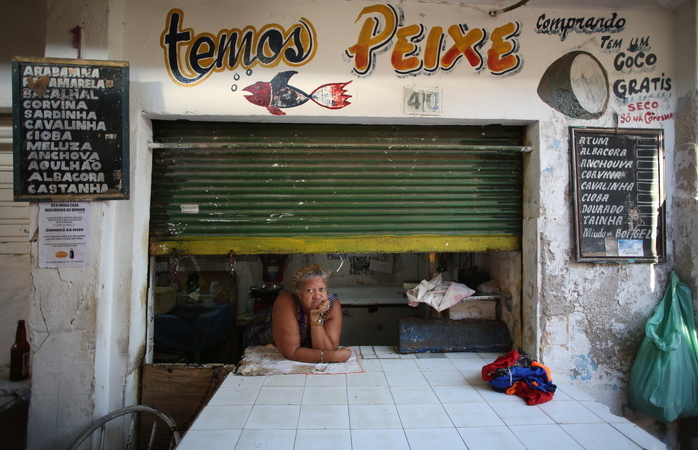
617, 193
71, 130
607, 185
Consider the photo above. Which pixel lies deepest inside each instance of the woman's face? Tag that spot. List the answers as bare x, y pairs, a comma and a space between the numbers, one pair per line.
313, 292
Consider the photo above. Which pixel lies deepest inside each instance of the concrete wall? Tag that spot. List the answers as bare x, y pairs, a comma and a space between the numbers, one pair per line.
685, 164
583, 320
24, 26
88, 324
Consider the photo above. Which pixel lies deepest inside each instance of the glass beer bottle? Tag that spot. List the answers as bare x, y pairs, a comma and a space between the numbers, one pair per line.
19, 354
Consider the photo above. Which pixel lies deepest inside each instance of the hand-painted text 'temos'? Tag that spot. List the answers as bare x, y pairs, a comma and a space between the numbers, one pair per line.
190, 58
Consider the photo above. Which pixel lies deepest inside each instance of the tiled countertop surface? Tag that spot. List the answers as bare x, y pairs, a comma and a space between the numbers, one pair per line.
422, 401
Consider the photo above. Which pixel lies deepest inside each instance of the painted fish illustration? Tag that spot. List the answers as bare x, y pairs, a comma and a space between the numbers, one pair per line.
277, 94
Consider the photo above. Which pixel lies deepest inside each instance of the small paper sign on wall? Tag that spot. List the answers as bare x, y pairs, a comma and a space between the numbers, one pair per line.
618, 194
65, 235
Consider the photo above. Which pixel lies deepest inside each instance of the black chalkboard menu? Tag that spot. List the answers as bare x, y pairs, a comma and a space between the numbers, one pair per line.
618, 194
70, 125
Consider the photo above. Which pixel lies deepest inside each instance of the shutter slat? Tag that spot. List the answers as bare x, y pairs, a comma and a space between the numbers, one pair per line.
255, 180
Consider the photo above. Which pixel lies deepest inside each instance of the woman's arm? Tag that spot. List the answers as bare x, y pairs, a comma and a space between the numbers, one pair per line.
326, 336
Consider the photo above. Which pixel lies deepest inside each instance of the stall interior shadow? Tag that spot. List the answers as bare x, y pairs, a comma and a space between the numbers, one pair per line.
202, 304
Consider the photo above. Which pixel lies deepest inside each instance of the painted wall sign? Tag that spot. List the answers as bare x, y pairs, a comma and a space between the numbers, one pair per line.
643, 95
191, 58
70, 125
417, 50
583, 82
646, 112
636, 58
277, 94
618, 194
562, 26
576, 84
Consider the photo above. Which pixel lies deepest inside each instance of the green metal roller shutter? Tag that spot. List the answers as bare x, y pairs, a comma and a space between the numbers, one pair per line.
270, 188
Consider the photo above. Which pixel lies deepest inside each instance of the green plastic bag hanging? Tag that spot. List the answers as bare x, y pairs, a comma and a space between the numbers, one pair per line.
664, 377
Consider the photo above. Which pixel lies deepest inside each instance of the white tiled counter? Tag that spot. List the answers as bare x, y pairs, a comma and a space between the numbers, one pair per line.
414, 401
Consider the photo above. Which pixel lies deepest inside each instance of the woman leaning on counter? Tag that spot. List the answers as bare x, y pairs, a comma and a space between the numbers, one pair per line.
305, 324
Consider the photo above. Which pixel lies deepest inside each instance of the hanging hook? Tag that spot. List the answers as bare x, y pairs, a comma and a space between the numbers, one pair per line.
232, 263
173, 264
341, 258
77, 40
496, 12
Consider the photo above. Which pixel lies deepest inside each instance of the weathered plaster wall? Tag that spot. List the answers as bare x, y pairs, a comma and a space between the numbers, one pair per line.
505, 269
15, 299
88, 324
23, 25
583, 320
686, 195
685, 233
22, 22
591, 315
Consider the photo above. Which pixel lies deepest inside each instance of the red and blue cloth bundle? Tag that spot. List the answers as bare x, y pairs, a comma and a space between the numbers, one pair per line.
517, 374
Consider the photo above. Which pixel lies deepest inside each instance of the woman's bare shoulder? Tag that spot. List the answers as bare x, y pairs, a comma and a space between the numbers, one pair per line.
284, 312
285, 299
286, 296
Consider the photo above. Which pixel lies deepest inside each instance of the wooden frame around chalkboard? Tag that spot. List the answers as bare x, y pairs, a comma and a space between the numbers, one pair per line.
70, 129
618, 191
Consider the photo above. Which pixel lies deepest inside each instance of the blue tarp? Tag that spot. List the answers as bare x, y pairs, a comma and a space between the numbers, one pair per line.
192, 328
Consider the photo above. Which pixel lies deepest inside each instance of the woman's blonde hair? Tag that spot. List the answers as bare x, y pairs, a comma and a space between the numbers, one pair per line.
305, 273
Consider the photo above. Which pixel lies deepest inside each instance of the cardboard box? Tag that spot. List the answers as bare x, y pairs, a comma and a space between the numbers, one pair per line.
474, 308
165, 299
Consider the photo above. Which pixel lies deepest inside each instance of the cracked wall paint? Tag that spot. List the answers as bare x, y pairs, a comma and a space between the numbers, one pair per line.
583, 367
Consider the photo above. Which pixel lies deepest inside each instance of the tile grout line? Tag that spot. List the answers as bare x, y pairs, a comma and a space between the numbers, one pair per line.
564, 423
254, 403
453, 425
346, 387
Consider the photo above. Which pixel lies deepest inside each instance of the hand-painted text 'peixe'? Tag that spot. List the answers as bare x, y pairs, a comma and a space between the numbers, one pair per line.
383, 25
190, 58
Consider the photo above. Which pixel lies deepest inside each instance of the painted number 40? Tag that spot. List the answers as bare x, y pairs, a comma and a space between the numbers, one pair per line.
422, 101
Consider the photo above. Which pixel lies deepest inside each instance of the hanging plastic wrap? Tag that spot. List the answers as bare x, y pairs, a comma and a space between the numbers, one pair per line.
438, 294
664, 377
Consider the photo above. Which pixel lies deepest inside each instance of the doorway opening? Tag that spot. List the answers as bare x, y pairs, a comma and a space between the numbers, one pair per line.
202, 304
395, 204
399, 203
